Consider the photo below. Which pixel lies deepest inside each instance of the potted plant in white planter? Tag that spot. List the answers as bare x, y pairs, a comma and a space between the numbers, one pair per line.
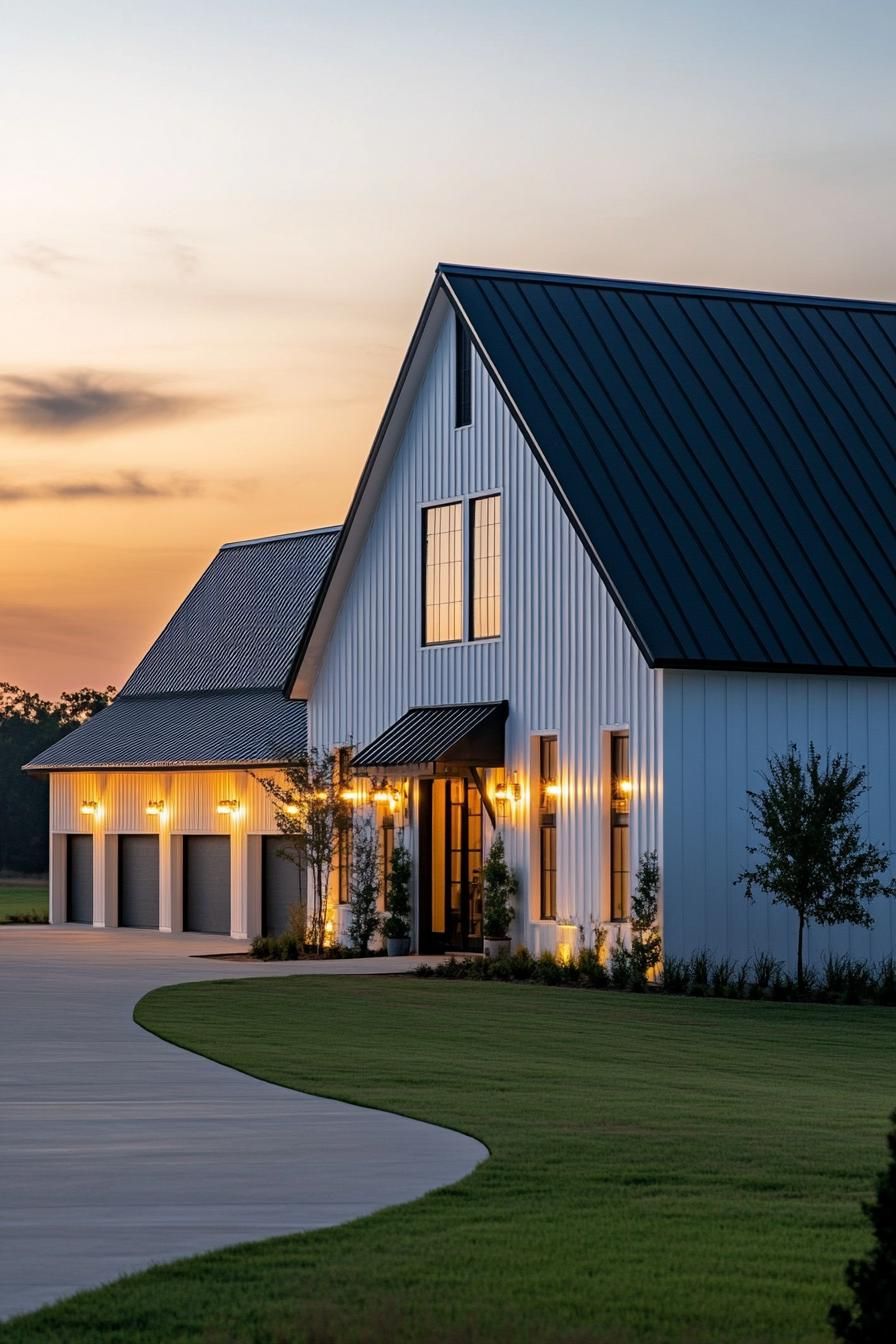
499, 888
397, 924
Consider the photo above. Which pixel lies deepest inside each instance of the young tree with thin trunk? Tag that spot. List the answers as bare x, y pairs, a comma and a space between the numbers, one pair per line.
311, 814
813, 858
364, 886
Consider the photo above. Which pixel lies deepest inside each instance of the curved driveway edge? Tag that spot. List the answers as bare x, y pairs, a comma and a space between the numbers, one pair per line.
119, 1150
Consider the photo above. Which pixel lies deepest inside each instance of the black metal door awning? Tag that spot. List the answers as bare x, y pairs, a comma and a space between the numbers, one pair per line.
433, 735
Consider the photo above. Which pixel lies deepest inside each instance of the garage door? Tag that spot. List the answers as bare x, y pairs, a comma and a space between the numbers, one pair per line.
207, 883
138, 881
79, 879
282, 886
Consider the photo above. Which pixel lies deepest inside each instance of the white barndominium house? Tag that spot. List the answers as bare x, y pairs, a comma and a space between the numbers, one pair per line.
615, 544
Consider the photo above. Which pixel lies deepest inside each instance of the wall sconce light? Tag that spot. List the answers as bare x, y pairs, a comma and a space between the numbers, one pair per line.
507, 792
89, 809
350, 796
228, 807
551, 788
387, 794
622, 795
155, 807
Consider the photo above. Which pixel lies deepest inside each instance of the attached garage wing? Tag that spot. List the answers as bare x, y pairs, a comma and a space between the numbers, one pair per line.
207, 884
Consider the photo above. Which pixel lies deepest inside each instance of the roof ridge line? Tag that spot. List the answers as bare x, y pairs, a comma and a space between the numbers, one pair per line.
281, 536
668, 287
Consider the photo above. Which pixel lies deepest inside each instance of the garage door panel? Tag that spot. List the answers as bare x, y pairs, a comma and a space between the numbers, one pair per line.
79, 879
138, 881
207, 883
282, 887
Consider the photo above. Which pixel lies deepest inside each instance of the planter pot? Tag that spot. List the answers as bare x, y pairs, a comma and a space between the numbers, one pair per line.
496, 947
398, 947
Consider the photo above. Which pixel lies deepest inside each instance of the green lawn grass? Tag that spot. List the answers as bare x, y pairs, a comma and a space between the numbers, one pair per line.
21, 896
662, 1169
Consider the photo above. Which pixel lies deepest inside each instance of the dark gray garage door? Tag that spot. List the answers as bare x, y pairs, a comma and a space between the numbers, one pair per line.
138, 881
282, 886
207, 883
79, 879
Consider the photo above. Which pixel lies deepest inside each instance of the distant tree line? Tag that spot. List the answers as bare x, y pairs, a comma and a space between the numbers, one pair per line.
28, 724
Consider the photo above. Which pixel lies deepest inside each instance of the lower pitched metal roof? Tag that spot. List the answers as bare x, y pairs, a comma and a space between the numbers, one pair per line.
177, 731
453, 734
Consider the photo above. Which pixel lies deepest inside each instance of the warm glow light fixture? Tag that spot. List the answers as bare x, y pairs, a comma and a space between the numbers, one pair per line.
228, 806
291, 809
552, 789
89, 809
350, 796
388, 794
155, 807
625, 787
509, 791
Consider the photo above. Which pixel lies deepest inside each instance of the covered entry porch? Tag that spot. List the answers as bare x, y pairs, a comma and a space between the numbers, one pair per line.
444, 751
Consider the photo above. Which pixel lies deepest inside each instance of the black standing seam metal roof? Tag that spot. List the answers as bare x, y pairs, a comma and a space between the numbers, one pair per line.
210, 690
729, 458
431, 733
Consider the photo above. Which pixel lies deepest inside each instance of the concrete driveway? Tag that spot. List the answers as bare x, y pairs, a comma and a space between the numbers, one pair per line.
119, 1151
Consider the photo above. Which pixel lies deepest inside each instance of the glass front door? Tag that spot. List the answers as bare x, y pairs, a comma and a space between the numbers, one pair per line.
454, 849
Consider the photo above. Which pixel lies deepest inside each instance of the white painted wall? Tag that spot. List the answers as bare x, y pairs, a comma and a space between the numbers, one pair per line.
566, 662
719, 730
191, 799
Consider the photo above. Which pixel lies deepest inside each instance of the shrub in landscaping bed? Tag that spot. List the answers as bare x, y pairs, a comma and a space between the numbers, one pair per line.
28, 917
701, 976
287, 947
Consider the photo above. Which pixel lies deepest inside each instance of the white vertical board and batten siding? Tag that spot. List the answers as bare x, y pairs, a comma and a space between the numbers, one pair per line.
720, 728
565, 662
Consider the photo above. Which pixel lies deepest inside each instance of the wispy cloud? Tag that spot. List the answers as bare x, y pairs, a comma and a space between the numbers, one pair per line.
43, 259
67, 402
123, 485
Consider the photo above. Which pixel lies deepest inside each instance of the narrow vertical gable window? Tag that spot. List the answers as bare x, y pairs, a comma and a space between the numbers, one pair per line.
463, 375
443, 597
620, 807
485, 568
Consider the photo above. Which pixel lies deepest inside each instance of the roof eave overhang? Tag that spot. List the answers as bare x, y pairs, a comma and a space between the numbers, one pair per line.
43, 771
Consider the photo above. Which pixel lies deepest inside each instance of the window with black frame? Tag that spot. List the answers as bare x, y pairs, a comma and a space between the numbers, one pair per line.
463, 375
547, 826
443, 563
485, 567
620, 809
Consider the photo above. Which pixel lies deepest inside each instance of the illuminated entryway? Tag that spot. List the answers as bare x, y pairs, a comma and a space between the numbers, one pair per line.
450, 849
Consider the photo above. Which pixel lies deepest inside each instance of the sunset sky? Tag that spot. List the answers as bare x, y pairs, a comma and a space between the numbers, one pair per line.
220, 219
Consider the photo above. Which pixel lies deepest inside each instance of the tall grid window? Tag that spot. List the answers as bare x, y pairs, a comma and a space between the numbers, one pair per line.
620, 807
344, 834
443, 598
547, 827
485, 567
463, 375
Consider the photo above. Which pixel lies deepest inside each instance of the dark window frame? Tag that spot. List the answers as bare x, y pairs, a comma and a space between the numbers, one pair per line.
344, 835
463, 375
548, 766
473, 502
425, 511
619, 827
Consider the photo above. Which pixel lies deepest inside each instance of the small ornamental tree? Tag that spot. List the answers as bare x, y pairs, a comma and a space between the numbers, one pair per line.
647, 944
397, 923
499, 889
813, 858
311, 813
872, 1280
364, 886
